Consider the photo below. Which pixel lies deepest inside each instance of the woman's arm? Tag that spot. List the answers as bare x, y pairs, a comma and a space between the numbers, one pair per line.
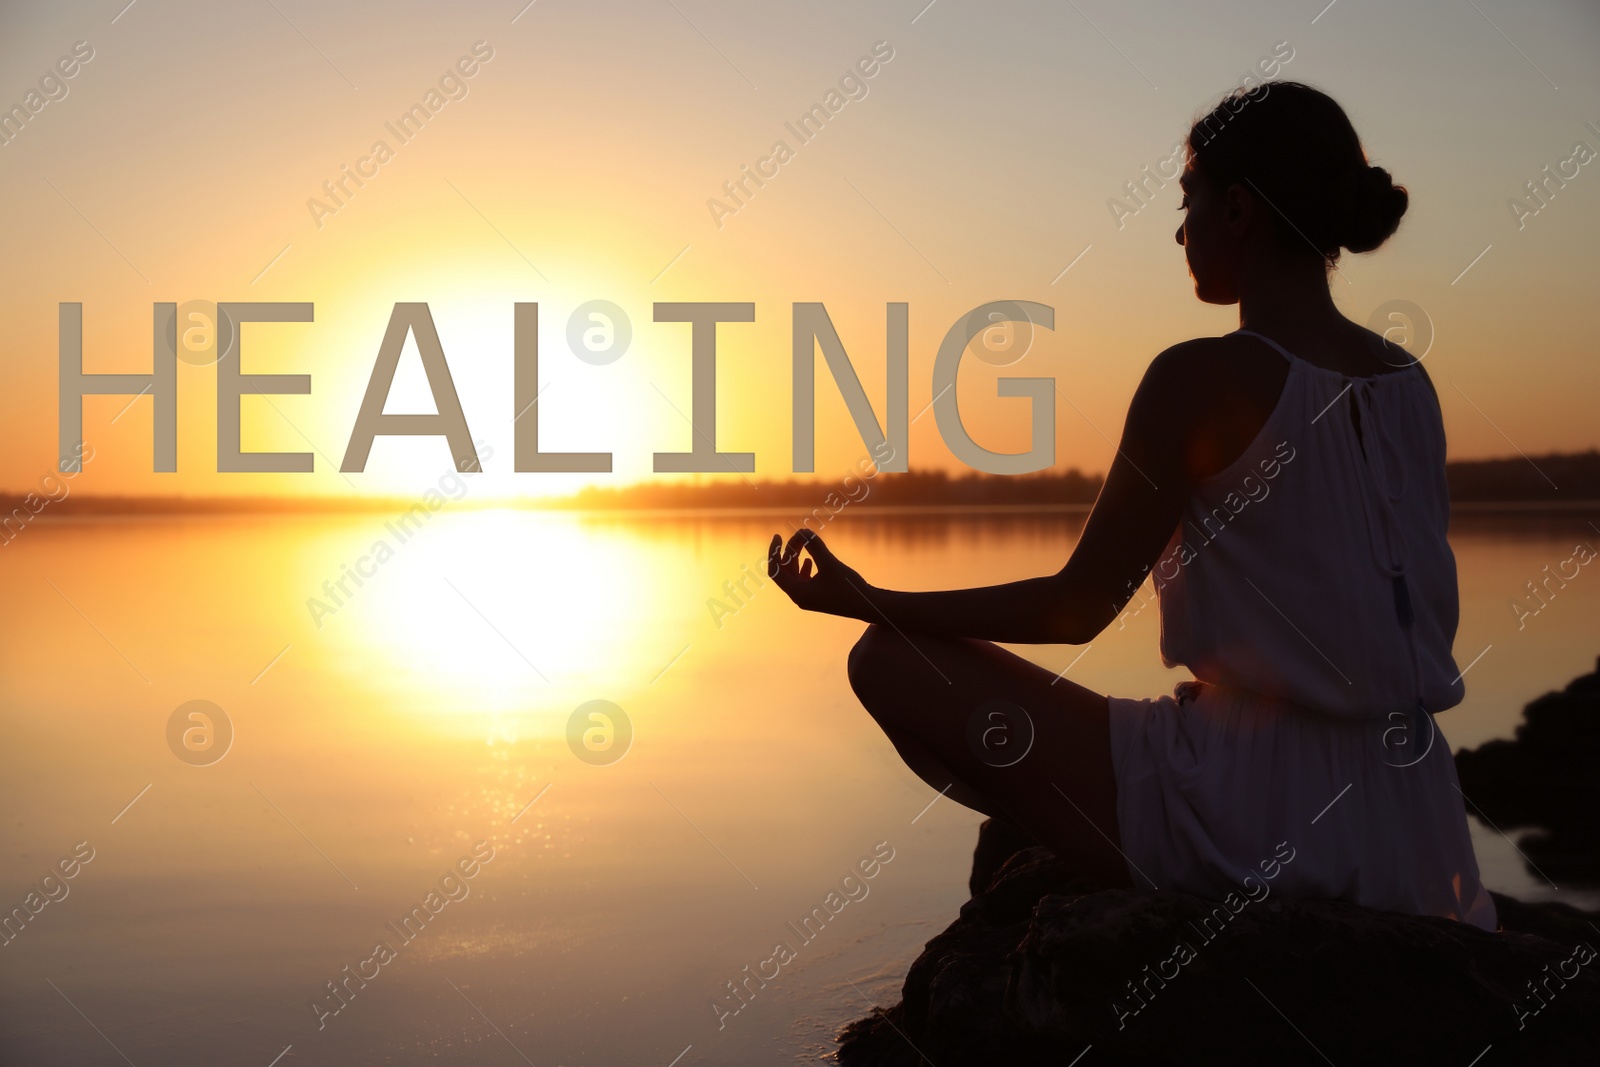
1197, 409
1161, 455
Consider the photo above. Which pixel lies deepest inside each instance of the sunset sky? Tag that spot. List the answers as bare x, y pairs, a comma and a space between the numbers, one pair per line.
577, 161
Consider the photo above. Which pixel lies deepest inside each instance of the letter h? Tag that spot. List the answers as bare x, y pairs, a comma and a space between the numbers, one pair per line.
161, 383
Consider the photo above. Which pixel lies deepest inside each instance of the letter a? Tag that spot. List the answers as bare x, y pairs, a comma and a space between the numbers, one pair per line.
449, 423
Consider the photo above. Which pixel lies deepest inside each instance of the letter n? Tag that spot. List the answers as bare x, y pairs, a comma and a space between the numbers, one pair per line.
813, 327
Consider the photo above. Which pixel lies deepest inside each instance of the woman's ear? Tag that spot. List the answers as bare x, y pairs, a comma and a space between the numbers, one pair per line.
1239, 208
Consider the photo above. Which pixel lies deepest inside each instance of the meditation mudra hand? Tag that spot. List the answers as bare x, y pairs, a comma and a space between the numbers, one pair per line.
822, 582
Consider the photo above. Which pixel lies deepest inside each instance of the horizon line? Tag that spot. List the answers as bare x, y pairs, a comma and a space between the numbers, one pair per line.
631, 495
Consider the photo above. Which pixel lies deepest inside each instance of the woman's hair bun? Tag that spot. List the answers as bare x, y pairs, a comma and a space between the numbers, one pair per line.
1294, 148
1376, 205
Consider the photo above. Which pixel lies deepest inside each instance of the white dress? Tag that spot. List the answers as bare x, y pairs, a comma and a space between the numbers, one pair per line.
1311, 591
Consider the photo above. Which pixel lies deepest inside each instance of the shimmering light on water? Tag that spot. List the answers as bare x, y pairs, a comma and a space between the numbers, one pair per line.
376, 742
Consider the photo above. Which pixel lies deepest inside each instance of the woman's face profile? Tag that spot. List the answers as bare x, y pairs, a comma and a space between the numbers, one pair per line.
1206, 239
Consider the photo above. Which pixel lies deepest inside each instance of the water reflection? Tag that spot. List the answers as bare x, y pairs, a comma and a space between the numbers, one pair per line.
429, 711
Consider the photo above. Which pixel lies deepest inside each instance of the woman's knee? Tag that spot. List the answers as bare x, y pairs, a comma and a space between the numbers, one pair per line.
862, 663
875, 660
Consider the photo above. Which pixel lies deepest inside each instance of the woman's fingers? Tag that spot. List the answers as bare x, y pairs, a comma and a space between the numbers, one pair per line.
791, 551
819, 551
782, 563
785, 566
808, 541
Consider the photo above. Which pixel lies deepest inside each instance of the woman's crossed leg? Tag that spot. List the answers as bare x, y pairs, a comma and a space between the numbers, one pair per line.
950, 707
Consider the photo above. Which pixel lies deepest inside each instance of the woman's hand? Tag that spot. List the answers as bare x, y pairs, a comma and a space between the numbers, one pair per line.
820, 583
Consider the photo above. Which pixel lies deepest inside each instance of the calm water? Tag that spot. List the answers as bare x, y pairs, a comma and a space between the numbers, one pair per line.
371, 753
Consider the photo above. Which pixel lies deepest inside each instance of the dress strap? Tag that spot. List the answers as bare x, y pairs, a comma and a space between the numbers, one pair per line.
1284, 352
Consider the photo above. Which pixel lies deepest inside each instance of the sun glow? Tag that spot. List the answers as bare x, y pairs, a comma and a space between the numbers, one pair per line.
486, 612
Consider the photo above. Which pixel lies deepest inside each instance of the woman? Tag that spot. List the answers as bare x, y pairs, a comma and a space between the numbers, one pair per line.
1284, 487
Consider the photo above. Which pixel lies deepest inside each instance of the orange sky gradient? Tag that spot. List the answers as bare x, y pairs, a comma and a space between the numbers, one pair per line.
578, 165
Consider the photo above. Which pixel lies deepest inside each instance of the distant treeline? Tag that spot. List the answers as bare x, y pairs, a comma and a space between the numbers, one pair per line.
1552, 479
916, 488
1540, 479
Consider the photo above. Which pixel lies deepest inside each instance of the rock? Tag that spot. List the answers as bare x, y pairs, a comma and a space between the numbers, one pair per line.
1545, 781
998, 841
1040, 966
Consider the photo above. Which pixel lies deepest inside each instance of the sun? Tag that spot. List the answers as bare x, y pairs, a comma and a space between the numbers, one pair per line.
503, 613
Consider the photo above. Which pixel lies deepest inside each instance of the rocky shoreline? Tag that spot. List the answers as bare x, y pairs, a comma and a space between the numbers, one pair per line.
1040, 967
1545, 781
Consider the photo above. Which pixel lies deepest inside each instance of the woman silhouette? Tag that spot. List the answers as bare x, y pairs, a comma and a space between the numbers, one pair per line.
1284, 488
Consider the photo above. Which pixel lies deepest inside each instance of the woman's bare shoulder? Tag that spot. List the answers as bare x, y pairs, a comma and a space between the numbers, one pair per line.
1209, 397
1209, 367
